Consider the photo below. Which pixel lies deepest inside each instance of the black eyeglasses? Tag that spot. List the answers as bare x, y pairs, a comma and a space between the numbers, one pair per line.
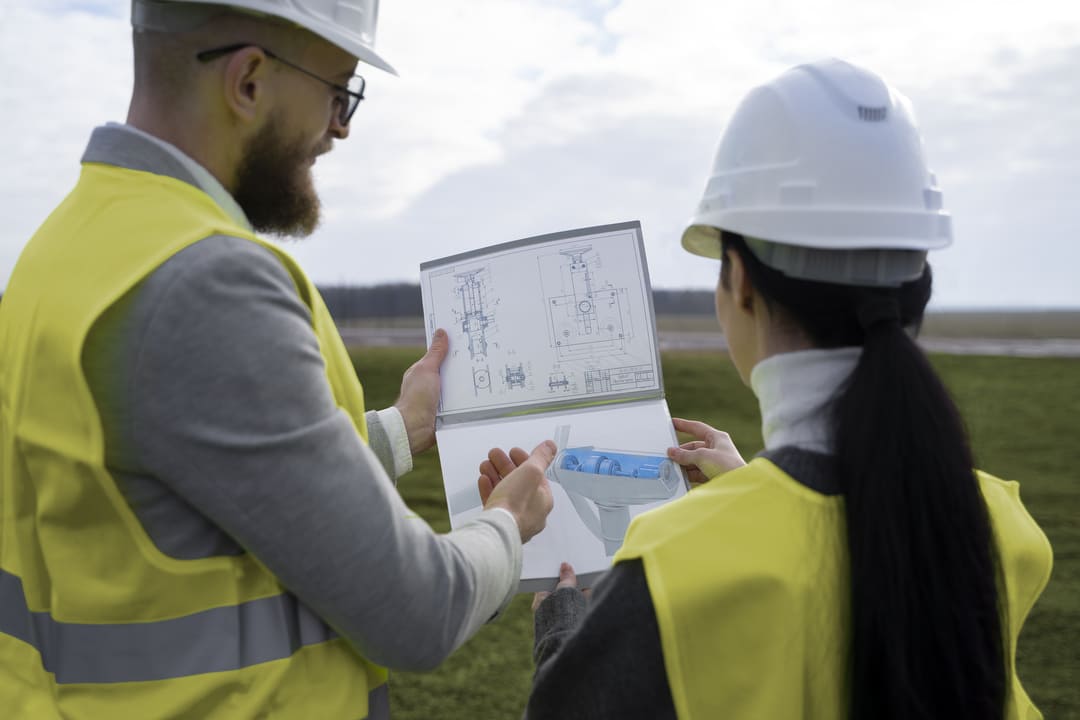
346, 98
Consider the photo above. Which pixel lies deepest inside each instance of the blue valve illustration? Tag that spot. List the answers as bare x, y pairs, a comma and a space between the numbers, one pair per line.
612, 480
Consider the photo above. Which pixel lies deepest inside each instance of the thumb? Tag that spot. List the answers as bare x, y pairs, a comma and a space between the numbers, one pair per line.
567, 576
543, 454
440, 346
686, 457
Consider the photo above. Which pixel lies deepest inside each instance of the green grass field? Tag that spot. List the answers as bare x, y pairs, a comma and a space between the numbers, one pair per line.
1016, 324
1021, 414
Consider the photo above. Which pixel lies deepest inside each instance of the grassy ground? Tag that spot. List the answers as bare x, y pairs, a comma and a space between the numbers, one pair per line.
1021, 414
1003, 324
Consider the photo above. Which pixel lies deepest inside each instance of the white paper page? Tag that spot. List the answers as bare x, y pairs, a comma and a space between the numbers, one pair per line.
611, 443
562, 318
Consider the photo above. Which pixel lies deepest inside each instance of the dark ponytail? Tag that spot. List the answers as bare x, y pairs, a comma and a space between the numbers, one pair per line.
927, 637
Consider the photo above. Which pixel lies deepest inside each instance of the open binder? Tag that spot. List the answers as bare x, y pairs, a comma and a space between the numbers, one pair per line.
554, 337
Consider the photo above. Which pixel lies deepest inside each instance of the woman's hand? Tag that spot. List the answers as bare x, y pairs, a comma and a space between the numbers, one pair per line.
709, 454
567, 579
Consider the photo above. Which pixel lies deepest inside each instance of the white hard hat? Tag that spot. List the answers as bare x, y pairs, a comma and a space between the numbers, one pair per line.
823, 171
349, 24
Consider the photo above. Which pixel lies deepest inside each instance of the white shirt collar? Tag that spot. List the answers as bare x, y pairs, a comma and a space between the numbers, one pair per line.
794, 391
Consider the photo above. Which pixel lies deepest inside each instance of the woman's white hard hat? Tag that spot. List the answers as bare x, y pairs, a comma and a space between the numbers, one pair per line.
823, 171
348, 24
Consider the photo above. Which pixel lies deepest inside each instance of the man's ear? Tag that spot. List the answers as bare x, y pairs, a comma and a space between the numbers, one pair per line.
244, 83
742, 290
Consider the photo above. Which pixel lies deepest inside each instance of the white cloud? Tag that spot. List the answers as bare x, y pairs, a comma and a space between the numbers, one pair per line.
67, 69
517, 117
1004, 146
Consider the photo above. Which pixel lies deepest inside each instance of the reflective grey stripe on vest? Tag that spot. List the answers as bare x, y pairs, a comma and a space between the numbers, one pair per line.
225, 638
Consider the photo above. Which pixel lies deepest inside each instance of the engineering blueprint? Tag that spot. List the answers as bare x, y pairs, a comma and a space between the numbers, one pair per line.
557, 319
554, 337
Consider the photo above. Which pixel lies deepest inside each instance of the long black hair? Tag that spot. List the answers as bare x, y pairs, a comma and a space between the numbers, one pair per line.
927, 637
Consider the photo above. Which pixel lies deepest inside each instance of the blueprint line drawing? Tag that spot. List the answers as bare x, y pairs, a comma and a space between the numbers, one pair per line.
481, 379
515, 376
586, 316
475, 316
632, 377
559, 382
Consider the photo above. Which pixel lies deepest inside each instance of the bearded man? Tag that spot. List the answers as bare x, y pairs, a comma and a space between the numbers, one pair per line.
198, 516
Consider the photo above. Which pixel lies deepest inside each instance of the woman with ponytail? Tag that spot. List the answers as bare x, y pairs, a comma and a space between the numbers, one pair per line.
859, 567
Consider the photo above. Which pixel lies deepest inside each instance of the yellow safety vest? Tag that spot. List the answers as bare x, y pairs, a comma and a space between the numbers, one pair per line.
748, 574
96, 622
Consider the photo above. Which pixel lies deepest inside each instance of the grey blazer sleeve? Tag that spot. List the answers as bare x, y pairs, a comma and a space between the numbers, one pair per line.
232, 411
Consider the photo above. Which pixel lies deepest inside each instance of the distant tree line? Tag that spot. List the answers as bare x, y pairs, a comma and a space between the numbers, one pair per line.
346, 302
372, 301
684, 302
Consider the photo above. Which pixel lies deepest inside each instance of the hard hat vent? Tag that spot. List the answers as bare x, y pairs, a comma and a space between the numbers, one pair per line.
873, 114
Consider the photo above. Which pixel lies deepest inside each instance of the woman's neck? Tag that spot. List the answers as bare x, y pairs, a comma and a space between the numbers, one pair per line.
794, 390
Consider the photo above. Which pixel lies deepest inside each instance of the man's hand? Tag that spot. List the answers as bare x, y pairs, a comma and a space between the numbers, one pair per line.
517, 483
419, 397
709, 454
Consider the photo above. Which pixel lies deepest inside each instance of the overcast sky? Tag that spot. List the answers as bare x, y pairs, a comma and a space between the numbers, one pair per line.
514, 118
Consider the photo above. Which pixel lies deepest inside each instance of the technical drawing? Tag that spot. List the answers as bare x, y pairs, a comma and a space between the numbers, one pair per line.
613, 480
558, 381
476, 318
477, 315
481, 379
632, 377
588, 316
515, 377
543, 321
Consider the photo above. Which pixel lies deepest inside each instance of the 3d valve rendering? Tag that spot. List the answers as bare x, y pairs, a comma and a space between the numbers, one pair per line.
612, 480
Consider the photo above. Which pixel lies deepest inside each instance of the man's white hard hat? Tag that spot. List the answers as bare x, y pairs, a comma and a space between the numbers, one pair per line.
823, 171
348, 24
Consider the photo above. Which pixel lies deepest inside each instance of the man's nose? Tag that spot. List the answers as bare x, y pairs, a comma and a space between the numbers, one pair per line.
337, 129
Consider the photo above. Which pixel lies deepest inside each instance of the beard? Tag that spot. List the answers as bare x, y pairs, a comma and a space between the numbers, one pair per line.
274, 186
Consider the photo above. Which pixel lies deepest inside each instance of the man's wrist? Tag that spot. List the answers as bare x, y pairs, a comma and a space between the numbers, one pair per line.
508, 514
